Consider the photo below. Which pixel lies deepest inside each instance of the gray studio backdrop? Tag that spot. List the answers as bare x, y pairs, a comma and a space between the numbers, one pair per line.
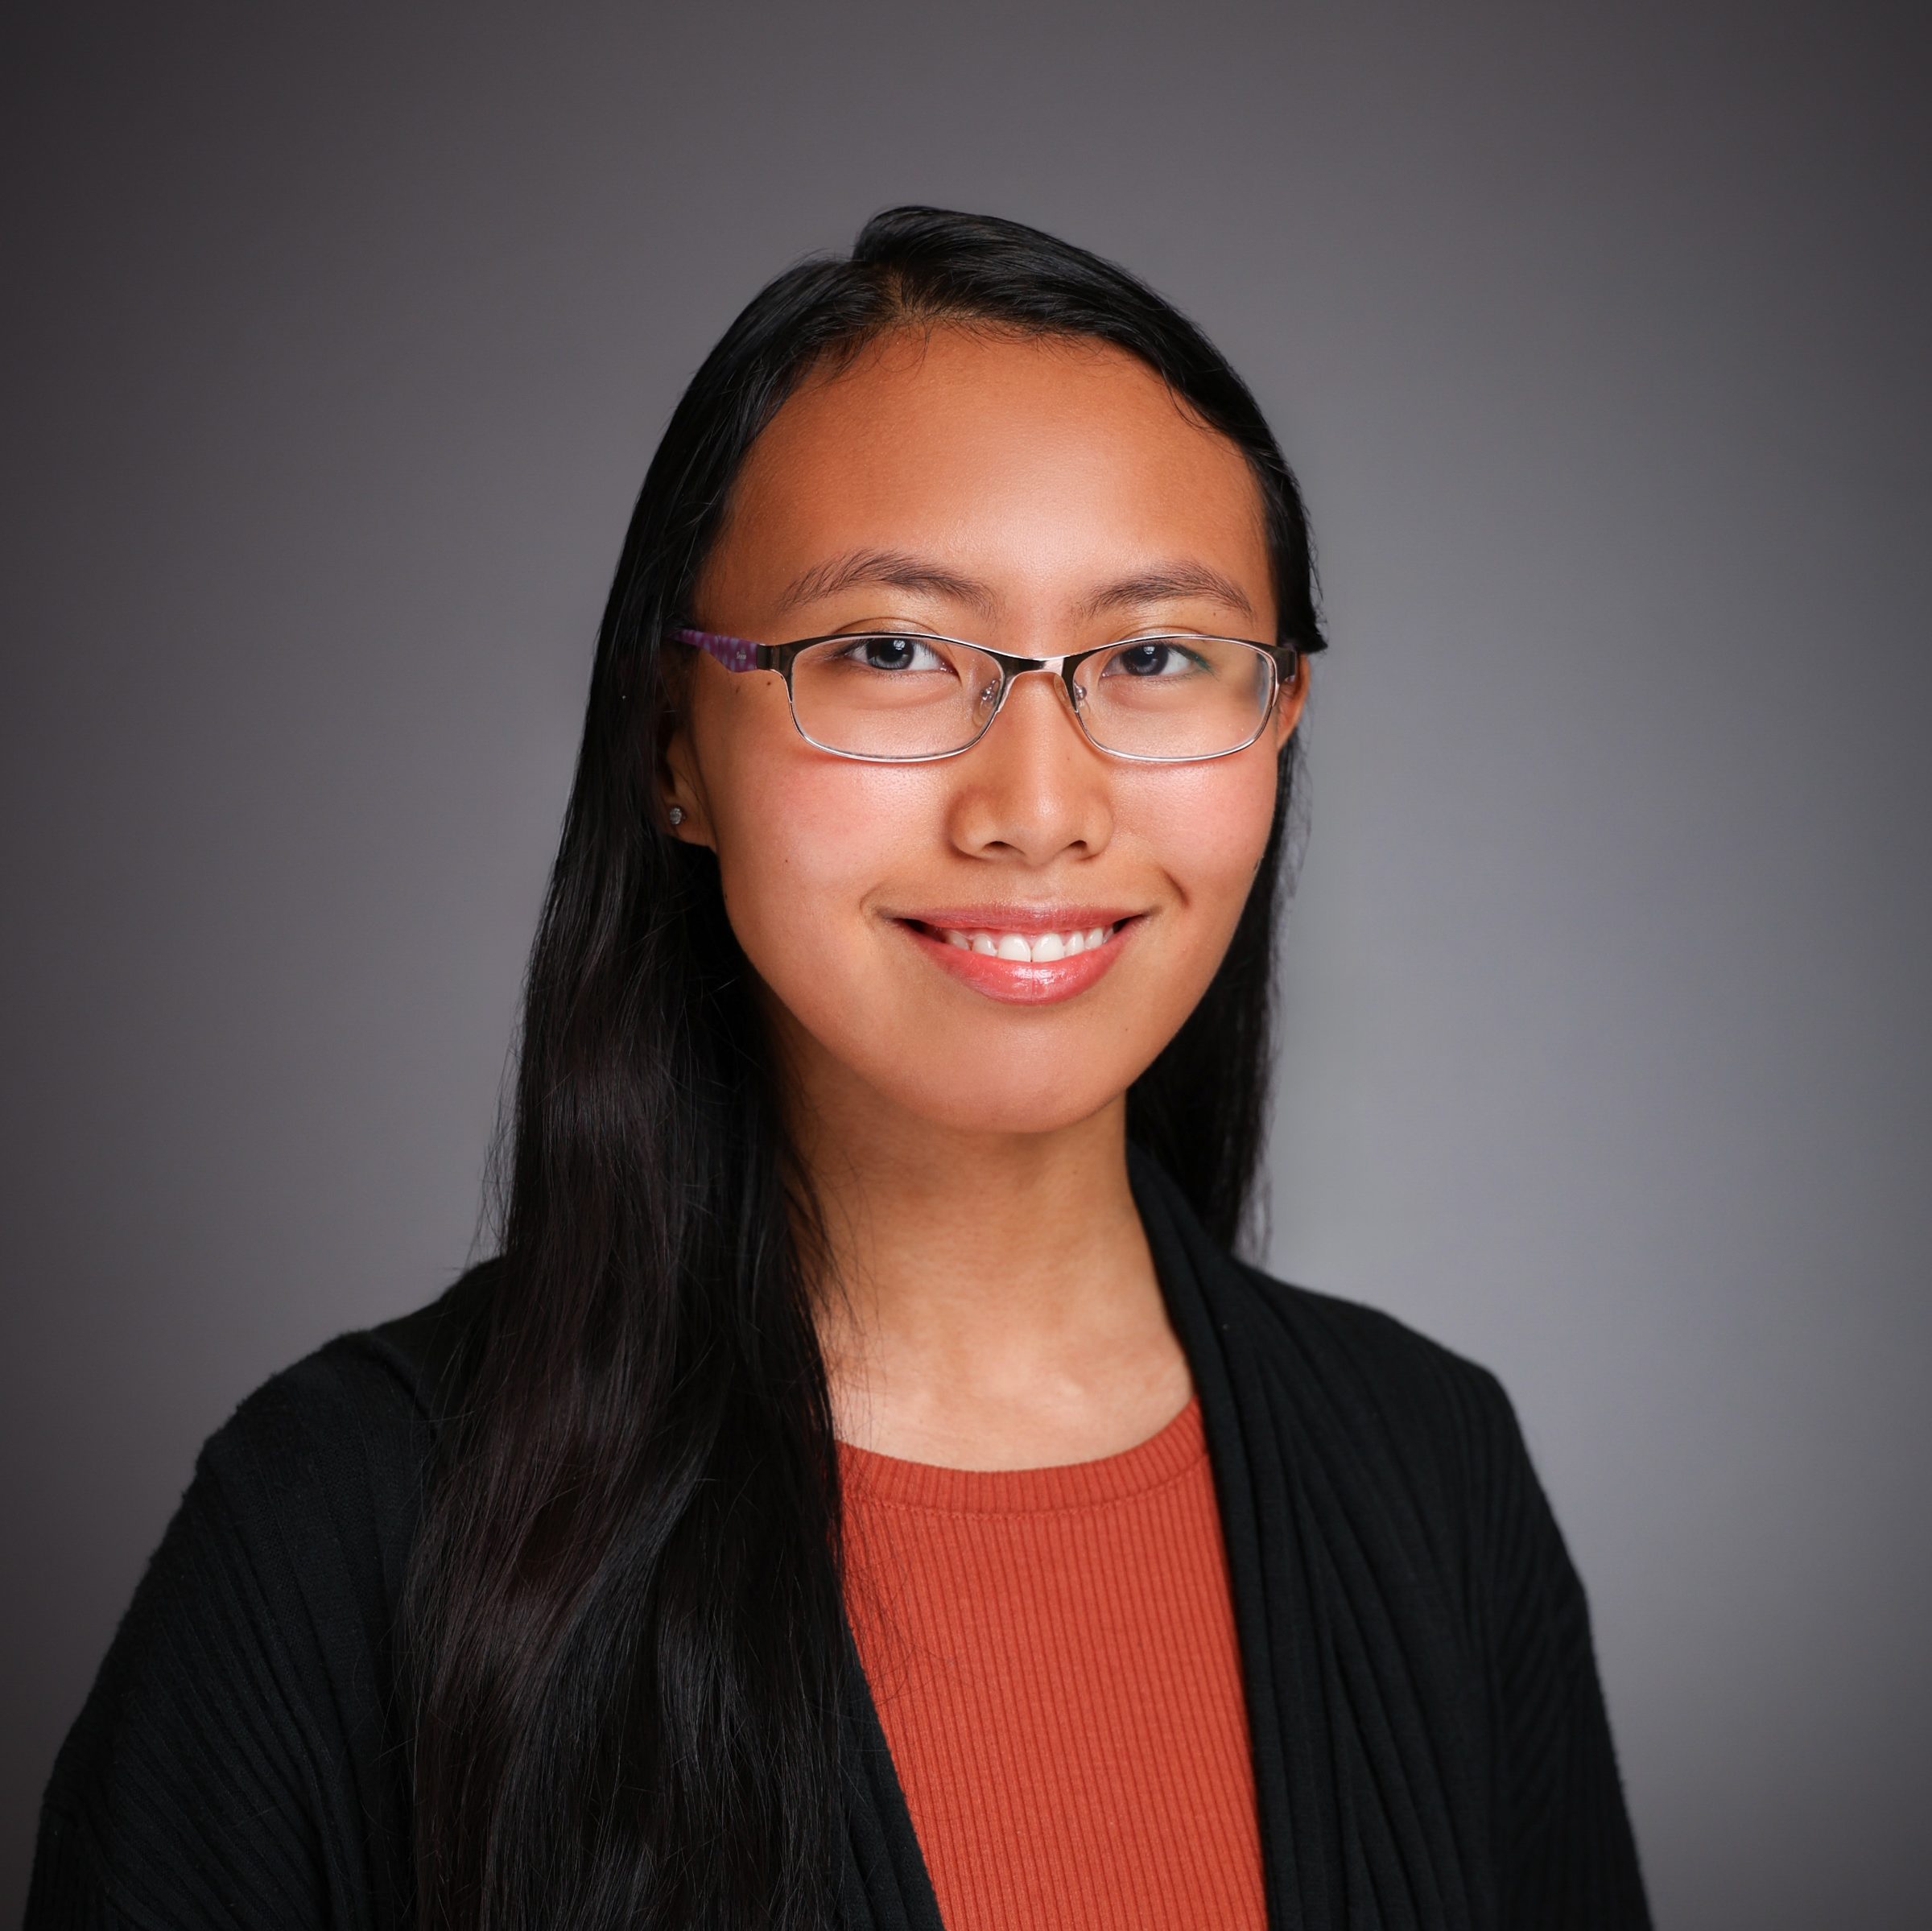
335, 343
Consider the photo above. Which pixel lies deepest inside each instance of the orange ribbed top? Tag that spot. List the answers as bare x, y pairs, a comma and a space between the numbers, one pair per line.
1052, 1652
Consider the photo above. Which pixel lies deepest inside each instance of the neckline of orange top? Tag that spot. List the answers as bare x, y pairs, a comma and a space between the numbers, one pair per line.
1172, 1452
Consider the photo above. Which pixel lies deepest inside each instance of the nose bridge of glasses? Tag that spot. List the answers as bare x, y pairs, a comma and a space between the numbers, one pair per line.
1013, 669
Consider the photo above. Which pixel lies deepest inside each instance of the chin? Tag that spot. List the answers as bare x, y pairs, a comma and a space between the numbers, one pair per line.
984, 1098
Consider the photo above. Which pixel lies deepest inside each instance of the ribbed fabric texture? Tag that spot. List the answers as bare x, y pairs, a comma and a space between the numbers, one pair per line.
1052, 1657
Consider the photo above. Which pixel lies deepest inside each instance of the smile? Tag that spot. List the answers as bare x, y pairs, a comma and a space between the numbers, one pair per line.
1040, 947
1020, 957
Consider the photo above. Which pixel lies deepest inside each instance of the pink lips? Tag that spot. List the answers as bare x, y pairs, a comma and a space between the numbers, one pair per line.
1017, 981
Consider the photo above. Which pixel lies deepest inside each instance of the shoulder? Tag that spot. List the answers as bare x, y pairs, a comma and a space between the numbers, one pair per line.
241, 1726
1392, 1411
1409, 1382
1338, 1382
310, 1488
336, 1446
395, 1379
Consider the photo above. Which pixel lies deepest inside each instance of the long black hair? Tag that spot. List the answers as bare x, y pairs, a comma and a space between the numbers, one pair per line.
623, 1613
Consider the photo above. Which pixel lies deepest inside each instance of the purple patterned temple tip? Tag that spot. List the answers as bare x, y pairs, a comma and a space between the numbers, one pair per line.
733, 652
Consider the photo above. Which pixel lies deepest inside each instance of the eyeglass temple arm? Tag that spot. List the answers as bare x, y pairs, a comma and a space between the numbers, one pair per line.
733, 652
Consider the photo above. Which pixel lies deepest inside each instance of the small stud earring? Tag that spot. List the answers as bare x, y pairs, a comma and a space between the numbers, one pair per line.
676, 814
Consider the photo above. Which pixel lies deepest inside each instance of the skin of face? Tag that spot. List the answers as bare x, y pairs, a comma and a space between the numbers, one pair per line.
1024, 477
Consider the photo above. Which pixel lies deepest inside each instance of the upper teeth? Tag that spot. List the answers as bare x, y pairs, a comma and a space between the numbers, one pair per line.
1037, 947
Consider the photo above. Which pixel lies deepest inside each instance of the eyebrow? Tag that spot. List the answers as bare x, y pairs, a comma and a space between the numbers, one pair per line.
1168, 581
893, 567
901, 571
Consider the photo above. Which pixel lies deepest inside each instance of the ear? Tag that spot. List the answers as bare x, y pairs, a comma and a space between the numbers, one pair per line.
1289, 701
679, 783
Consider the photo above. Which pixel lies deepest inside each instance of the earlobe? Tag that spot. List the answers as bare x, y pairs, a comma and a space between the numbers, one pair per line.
675, 783
685, 823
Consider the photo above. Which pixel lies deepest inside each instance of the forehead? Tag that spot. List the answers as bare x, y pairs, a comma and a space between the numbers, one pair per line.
1033, 463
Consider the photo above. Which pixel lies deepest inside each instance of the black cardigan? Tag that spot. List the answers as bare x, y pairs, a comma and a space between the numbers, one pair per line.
1429, 1744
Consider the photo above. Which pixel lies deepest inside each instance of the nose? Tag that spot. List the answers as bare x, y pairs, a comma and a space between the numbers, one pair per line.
1033, 789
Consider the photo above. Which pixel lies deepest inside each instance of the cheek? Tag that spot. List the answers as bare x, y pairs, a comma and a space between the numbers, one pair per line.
801, 841
1205, 828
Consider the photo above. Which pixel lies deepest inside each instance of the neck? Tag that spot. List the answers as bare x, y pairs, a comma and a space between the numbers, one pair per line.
986, 1299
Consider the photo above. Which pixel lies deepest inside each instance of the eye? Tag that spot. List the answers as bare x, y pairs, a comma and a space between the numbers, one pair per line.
1153, 657
892, 653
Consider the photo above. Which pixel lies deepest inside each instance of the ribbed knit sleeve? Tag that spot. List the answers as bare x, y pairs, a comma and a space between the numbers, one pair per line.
232, 1766
1569, 1859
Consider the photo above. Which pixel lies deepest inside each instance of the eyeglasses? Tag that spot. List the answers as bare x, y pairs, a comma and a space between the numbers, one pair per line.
906, 696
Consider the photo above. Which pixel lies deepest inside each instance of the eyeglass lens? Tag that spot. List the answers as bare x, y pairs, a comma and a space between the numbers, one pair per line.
911, 696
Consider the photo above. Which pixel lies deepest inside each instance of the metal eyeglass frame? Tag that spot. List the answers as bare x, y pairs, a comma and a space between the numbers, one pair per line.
741, 653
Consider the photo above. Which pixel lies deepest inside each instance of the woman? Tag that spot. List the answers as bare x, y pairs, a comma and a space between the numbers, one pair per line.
865, 1489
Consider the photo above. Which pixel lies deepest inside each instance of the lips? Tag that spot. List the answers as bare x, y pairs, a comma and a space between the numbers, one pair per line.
1023, 956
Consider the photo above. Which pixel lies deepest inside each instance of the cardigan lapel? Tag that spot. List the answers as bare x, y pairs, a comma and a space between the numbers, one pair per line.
887, 1886
1364, 1710
1274, 1610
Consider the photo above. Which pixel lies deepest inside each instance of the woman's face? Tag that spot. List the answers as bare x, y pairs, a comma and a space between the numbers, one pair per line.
1038, 497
